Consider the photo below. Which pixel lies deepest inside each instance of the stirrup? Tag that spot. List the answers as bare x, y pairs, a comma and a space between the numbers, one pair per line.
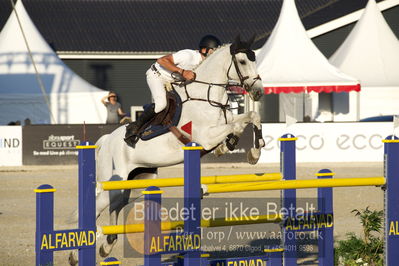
131, 134
131, 130
131, 140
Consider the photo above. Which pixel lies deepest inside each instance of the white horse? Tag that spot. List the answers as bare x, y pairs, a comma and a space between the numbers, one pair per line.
212, 123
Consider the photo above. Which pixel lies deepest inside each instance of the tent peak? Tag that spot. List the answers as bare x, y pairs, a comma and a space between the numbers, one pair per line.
371, 50
290, 57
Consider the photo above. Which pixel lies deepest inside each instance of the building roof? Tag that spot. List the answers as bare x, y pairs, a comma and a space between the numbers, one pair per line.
149, 26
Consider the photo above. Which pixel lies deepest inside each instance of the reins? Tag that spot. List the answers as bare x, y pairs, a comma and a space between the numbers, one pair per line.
212, 103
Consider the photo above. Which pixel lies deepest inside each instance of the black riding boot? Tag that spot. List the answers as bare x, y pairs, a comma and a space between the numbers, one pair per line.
133, 128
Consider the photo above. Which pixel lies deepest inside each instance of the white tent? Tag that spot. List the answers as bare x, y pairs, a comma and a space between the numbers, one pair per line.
22, 80
290, 62
371, 54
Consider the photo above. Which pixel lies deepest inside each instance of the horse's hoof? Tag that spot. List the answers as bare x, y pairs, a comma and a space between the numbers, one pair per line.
102, 252
220, 150
73, 261
253, 155
106, 249
204, 191
262, 143
111, 239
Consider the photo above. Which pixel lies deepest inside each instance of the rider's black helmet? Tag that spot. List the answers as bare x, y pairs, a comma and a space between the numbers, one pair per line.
209, 42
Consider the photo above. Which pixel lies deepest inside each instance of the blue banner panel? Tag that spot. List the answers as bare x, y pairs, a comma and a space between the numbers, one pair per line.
310, 222
248, 261
67, 239
391, 201
174, 243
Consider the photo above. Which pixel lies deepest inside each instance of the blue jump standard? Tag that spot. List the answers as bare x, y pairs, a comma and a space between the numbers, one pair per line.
83, 238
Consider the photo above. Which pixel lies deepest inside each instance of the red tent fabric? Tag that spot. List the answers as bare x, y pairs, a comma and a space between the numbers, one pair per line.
318, 89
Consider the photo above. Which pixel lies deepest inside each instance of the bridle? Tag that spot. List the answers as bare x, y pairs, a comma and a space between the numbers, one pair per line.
239, 74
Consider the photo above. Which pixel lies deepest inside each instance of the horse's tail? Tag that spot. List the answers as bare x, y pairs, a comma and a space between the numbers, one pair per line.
99, 143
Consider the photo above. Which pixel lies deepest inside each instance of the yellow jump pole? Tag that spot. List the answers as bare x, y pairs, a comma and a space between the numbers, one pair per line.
295, 184
179, 181
218, 222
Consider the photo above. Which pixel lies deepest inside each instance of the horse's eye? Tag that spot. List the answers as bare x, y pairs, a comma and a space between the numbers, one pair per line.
242, 62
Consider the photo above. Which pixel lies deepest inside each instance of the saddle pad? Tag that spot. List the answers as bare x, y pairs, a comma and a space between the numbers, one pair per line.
170, 119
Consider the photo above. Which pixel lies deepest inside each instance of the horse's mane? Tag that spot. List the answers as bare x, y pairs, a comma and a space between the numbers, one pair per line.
210, 56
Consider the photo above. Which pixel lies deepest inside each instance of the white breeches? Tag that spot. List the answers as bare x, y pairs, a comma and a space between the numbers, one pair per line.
156, 84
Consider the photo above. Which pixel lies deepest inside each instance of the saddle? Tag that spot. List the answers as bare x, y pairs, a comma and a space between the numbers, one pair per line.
163, 121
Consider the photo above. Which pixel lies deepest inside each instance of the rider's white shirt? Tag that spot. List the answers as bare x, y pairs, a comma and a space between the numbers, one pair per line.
185, 59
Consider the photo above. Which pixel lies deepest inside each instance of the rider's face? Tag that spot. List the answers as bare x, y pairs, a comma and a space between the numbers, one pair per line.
211, 51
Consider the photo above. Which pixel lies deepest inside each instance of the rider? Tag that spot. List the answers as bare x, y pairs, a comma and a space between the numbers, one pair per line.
161, 72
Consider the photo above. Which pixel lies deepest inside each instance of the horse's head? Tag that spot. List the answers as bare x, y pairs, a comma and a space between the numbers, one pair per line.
243, 68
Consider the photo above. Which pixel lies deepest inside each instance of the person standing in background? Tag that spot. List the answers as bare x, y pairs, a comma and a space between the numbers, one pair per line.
114, 109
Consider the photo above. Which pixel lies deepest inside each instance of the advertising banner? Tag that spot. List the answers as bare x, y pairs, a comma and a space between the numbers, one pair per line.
317, 142
329, 142
55, 144
10, 145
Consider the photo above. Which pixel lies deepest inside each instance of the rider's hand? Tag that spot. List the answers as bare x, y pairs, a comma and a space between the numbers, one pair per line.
188, 74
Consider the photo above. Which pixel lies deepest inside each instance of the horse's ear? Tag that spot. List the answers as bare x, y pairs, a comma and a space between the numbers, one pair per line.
234, 46
237, 39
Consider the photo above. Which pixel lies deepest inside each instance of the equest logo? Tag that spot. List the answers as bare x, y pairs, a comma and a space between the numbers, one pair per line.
8, 143
60, 142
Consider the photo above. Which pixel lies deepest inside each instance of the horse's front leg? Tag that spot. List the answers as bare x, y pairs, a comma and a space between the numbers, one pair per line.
242, 121
253, 154
211, 137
